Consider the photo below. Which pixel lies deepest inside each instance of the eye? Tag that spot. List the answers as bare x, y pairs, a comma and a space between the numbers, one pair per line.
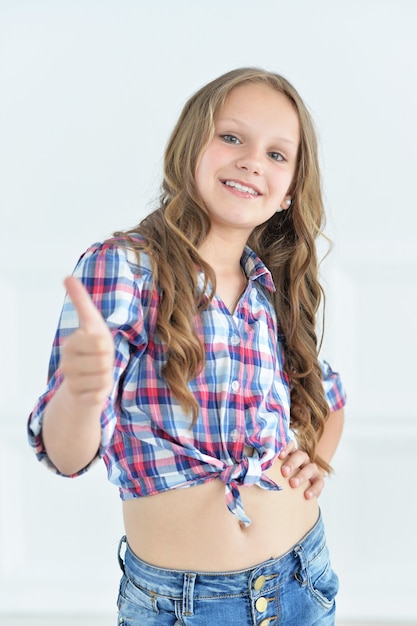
230, 139
277, 156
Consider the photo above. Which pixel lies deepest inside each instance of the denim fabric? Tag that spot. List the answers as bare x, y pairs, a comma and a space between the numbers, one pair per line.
297, 589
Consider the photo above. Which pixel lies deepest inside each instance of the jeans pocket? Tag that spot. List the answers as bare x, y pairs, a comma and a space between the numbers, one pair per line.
319, 578
134, 602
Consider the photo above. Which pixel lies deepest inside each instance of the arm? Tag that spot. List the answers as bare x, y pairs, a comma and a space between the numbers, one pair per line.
298, 465
331, 436
71, 427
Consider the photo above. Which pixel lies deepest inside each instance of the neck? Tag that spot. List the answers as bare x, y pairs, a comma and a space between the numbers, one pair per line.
223, 256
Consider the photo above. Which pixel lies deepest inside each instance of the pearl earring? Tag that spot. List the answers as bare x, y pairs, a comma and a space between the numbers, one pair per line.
287, 204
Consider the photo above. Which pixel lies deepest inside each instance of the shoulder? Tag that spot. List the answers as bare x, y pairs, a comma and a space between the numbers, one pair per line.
119, 280
121, 255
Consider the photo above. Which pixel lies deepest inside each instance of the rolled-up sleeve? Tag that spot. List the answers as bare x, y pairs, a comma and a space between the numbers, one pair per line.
333, 387
112, 278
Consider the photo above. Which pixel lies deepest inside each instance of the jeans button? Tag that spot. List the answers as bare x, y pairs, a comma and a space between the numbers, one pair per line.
259, 583
261, 604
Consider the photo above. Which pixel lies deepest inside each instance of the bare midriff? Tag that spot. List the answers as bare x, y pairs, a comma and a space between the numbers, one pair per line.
193, 529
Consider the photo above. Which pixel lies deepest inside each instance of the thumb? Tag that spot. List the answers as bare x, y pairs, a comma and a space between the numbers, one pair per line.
89, 316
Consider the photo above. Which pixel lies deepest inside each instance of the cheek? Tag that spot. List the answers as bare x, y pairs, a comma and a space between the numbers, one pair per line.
282, 184
213, 157
199, 176
205, 168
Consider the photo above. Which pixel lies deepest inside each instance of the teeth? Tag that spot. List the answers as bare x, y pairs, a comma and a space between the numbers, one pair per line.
244, 188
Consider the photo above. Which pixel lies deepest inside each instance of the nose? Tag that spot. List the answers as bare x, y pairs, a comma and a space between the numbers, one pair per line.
250, 162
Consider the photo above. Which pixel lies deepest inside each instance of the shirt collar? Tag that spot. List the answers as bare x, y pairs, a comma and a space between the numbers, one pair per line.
256, 269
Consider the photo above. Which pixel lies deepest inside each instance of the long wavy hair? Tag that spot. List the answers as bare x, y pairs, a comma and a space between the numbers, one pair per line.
286, 243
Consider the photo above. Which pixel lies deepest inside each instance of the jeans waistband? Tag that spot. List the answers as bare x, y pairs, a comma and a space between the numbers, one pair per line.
200, 583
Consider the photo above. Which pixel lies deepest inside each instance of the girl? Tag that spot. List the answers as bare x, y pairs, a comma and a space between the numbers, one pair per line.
186, 357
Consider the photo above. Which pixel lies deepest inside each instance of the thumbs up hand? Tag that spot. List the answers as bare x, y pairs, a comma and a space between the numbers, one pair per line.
88, 354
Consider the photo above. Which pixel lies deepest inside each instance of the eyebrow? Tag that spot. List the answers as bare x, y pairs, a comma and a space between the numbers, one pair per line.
235, 121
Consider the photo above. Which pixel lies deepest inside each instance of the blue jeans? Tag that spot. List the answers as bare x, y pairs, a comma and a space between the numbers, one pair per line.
296, 589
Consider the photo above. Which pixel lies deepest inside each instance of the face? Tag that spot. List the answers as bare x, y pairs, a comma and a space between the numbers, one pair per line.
245, 172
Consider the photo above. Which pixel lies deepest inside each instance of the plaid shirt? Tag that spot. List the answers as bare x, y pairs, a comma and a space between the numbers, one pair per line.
148, 443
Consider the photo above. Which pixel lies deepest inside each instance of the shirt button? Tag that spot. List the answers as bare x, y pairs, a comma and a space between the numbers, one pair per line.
235, 340
234, 435
235, 386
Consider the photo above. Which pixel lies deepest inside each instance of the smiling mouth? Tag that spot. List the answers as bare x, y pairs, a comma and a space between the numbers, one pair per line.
240, 187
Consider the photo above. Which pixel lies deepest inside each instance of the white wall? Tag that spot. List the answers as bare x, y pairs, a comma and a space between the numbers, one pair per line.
89, 92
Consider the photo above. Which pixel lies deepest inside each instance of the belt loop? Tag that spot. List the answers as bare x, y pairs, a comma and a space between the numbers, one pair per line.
188, 594
301, 574
119, 555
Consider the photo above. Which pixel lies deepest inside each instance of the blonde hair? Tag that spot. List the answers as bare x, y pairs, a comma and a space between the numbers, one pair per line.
286, 243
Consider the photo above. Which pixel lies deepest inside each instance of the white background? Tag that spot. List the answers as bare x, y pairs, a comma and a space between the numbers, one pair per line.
89, 92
